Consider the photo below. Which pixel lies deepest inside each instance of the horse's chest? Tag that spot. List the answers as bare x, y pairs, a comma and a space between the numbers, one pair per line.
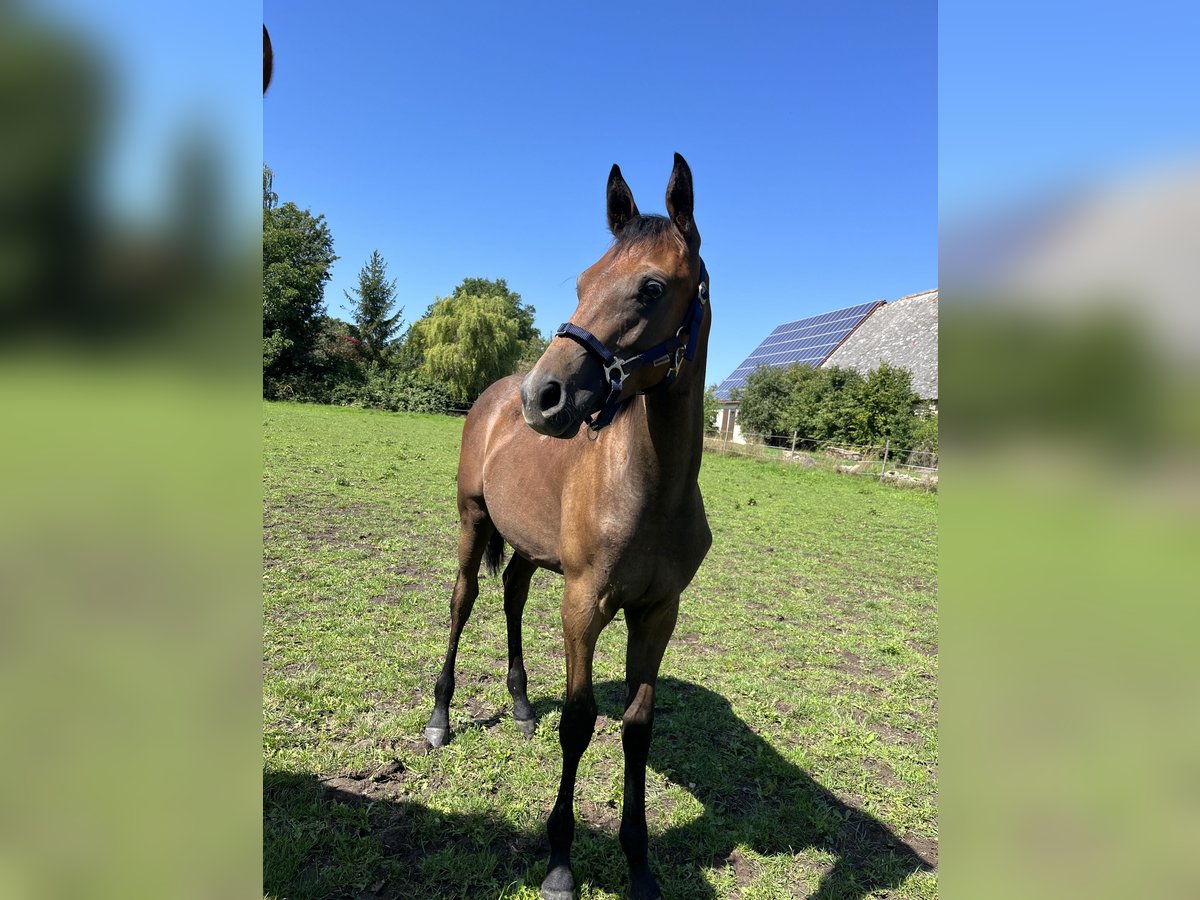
655, 556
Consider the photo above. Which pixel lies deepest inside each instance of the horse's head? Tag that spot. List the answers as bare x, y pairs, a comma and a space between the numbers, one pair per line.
632, 302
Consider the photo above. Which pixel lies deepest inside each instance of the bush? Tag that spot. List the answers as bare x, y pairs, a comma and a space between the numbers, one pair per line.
395, 392
833, 405
763, 402
925, 442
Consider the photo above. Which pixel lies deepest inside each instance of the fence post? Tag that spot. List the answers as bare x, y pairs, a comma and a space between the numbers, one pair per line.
794, 433
886, 447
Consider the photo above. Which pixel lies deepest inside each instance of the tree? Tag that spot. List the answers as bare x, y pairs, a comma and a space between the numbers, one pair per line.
825, 404
373, 309
764, 402
297, 256
480, 333
521, 313
886, 402
534, 348
712, 406
829, 404
270, 198
467, 341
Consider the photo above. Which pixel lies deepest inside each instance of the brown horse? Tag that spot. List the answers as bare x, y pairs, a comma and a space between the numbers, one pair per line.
613, 506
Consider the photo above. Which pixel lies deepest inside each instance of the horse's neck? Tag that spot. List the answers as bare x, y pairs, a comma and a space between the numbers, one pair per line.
664, 434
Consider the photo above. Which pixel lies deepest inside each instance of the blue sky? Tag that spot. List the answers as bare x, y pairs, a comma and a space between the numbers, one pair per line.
1037, 99
475, 140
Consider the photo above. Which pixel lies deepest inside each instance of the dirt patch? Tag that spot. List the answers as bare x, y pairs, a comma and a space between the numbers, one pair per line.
604, 816
381, 782
883, 774
744, 870
408, 571
893, 735
924, 648
479, 712
851, 663
925, 848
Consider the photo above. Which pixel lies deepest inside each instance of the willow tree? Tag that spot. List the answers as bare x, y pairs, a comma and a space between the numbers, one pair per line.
467, 341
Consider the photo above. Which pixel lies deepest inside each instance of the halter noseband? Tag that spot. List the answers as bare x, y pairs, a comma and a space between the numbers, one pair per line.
674, 350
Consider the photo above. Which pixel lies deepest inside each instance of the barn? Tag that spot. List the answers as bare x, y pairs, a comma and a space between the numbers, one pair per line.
902, 332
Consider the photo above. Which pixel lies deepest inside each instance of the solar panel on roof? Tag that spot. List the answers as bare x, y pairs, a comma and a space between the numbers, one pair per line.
807, 341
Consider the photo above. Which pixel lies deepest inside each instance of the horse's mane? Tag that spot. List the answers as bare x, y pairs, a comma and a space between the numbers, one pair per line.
643, 228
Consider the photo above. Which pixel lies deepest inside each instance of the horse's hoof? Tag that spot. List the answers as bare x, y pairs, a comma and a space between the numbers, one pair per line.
437, 737
526, 726
559, 885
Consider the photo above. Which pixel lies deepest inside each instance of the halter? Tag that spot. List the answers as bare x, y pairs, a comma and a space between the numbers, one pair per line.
674, 350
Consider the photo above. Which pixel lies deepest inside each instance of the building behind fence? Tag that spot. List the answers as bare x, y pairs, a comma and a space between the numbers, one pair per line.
902, 333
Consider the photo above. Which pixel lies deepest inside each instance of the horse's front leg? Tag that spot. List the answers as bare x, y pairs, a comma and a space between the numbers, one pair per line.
582, 622
649, 630
475, 531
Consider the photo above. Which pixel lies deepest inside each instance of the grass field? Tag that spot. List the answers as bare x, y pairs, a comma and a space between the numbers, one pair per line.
795, 745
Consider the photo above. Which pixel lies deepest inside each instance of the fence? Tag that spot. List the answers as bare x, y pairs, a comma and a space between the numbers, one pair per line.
919, 464
916, 462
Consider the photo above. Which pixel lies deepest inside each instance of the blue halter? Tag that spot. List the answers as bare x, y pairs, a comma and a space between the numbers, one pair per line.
674, 350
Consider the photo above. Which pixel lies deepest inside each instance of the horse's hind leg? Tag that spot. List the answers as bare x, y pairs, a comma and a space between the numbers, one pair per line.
475, 531
516, 591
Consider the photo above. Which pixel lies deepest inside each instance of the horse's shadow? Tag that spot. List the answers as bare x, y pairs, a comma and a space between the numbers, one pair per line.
751, 796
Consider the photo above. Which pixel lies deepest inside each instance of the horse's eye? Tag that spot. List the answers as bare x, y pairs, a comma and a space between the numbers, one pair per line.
652, 290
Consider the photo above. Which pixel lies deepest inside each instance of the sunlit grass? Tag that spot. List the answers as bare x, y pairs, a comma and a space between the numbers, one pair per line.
796, 734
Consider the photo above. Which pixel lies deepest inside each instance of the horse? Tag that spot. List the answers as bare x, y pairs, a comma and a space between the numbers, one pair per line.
588, 467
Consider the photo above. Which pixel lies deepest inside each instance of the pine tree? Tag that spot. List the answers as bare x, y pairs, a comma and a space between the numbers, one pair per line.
373, 307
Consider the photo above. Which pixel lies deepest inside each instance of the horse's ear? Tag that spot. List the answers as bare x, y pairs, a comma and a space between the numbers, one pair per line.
679, 196
621, 208
268, 59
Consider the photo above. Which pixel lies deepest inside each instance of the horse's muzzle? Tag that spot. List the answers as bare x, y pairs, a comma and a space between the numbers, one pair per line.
547, 407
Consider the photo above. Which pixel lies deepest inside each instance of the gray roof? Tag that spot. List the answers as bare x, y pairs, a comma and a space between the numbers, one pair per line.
903, 333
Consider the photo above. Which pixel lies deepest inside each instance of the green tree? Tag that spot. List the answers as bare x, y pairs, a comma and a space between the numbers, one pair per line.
297, 256
472, 312
764, 402
466, 340
829, 403
534, 348
373, 314
712, 406
886, 403
521, 313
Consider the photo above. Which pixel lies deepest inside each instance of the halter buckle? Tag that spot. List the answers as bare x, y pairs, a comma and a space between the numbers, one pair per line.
618, 366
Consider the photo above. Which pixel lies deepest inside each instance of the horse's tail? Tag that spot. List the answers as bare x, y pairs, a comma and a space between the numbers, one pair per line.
494, 554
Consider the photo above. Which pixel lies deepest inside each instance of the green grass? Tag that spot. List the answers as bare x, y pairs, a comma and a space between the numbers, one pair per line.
795, 746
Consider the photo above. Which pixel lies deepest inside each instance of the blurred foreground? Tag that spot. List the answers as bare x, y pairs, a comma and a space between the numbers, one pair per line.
1071, 517
129, 376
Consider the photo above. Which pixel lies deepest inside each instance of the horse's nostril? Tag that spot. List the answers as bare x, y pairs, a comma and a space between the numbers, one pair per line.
550, 397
